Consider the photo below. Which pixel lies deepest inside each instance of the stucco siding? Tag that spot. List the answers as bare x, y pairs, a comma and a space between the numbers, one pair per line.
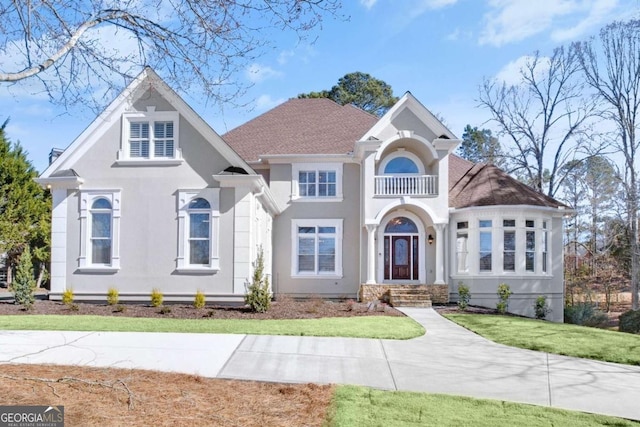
348, 210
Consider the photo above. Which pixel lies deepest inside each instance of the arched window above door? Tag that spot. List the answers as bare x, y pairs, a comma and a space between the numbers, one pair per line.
401, 225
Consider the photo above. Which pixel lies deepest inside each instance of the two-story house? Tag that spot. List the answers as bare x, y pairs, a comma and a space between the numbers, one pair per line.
342, 203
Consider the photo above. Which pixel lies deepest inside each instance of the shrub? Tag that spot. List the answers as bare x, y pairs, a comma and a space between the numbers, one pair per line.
199, 301
541, 308
165, 309
24, 283
68, 297
464, 295
119, 308
504, 292
258, 296
630, 322
113, 296
585, 314
156, 297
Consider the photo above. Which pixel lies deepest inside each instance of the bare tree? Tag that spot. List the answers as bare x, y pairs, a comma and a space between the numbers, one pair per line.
83, 50
611, 65
545, 116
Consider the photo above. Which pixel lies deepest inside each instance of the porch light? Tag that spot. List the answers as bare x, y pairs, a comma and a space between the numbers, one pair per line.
430, 239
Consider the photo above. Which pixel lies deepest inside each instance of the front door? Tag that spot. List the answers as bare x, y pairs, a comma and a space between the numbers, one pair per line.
401, 258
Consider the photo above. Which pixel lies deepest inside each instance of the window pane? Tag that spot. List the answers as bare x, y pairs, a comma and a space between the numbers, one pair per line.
199, 203
401, 225
485, 261
163, 130
531, 240
326, 263
509, 223
101, 251
101, 225
306, 263
484, 223
199, 225
530, 223
529, 257
401, 165
306, 230
485, 242
101, 204
326, 246
326, 229
509, 240
199, 252
464, 224
461, 250
306, 246
509, 261
401, 252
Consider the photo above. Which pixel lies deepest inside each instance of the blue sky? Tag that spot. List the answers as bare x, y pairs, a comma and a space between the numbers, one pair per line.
439, 50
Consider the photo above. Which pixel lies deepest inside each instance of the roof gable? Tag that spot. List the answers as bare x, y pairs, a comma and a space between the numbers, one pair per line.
301, 126
128, 97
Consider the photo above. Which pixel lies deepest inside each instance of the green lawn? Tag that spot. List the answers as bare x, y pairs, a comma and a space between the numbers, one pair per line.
385, 327
558, 338
361, 406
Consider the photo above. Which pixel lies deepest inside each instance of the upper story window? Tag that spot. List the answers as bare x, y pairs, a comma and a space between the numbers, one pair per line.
99, 230
317, 182
198, 230
401, 165
150, 137
401, 162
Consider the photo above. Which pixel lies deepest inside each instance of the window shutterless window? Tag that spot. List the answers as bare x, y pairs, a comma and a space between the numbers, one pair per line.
198, 230
485, 245
530, 246
315, 182
509, 245
544, 246
462, 251
317, 248
99, 230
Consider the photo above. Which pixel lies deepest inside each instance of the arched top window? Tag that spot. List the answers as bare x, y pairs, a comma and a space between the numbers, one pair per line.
199, 203
101, 204
401, 165
401, 225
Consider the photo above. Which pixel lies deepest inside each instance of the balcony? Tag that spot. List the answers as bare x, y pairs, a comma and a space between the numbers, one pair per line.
406, 185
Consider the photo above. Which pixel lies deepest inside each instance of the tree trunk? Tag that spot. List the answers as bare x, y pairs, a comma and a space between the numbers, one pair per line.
633, 220
41, 272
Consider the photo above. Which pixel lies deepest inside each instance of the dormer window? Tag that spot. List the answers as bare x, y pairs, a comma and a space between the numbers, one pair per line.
150, 138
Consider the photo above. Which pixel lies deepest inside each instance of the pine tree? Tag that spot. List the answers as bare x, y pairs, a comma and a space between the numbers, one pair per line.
24, 284
24, 206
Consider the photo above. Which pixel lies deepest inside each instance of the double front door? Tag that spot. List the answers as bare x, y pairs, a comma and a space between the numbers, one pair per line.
401, 257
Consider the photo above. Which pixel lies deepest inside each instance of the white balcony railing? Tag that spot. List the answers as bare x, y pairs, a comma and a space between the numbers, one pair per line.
406, 185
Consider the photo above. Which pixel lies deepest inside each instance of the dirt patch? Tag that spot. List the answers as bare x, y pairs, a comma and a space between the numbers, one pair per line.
120, 397
472, 309
284, 308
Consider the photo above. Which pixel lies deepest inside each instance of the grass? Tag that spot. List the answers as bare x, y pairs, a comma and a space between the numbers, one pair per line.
557, 338
382, 327
353, 405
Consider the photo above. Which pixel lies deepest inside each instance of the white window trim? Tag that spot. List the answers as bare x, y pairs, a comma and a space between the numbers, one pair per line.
149, 116
295, 223
87, 197
402, 153
296, 168
212, 195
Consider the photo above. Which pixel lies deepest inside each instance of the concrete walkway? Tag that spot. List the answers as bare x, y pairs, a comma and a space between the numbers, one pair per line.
448, 359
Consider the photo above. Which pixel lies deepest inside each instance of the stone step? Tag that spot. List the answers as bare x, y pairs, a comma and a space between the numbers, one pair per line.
410, 303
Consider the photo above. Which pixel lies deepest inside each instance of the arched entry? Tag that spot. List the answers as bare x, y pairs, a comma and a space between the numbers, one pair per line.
401, 249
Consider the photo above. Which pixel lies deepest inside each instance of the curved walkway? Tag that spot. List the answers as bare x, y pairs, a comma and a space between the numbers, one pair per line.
448, 359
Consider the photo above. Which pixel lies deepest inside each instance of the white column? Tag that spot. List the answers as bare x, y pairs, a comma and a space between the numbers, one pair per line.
59, 240
371, 254
439, 253
242, 248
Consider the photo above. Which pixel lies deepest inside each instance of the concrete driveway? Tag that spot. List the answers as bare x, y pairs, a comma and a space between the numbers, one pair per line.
448, 359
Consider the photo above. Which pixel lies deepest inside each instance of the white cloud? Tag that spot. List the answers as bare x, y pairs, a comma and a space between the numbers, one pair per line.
284, 56
257, 73
509, 21
368, 4
265, 102
511, 74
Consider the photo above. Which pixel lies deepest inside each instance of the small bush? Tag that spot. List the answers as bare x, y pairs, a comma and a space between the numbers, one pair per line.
156, 297
199, 301
119, 308
24, 282
504, 292
68, 297
113, 296
630, 322
73, 307
541, 308
258, 296
585, 314
165, 309
464, 296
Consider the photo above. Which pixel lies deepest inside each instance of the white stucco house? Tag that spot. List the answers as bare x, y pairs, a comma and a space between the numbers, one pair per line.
344, 204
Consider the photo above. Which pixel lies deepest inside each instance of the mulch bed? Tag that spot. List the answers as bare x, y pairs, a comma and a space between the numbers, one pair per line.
284, 308
471, 309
